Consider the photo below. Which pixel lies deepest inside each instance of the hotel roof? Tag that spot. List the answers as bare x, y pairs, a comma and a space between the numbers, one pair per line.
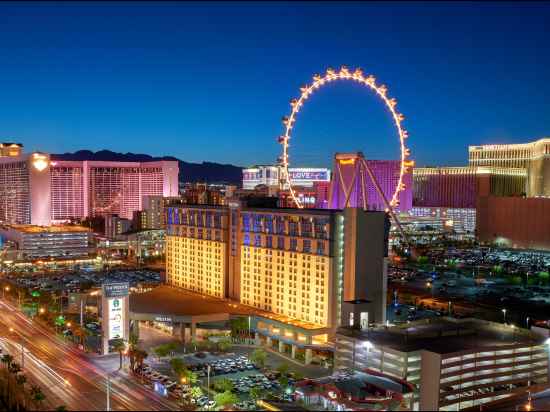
47, 229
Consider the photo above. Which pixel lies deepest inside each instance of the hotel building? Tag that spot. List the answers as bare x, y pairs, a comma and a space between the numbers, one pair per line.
352, 184
533, 157
451, 193
453, 364
299, 265
24, 187
91, 188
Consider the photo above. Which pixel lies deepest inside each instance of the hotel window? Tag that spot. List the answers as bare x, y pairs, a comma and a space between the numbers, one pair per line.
257, 240
269, 242
293, 244
281, 243
307, 246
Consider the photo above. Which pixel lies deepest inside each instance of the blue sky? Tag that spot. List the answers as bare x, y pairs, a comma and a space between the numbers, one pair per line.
211, 81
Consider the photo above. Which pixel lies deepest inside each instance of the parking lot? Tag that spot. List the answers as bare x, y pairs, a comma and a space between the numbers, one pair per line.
237, 369
82, 280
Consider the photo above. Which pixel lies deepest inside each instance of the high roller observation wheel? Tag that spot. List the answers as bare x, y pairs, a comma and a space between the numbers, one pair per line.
321, 80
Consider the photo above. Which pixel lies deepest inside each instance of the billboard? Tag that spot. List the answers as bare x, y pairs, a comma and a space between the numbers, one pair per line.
315, 175
113, 290
116, 318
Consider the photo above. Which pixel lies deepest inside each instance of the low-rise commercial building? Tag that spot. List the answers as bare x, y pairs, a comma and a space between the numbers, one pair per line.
60, 241
453, 364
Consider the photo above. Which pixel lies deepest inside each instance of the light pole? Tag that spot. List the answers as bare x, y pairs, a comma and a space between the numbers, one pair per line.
504, 315
4, 290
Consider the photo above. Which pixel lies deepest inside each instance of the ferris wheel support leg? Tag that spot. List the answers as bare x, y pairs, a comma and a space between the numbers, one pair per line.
390, 208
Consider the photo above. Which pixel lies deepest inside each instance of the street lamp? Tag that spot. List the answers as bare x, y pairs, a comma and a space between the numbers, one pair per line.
504, 315
6, 289
42, 311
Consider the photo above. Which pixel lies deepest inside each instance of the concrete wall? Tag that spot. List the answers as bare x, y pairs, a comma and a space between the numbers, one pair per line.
429, 381
365, 267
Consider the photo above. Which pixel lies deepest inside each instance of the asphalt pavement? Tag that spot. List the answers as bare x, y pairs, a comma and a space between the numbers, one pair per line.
68, 376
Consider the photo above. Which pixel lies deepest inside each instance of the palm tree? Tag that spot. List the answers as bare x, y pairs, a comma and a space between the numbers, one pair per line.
140, 356
37, 396
20, 380
120, 347
13, 369
132, 349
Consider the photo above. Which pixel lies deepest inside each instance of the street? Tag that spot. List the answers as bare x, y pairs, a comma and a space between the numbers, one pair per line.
67, 376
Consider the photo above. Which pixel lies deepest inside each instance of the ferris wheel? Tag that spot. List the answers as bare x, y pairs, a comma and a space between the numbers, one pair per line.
381, 91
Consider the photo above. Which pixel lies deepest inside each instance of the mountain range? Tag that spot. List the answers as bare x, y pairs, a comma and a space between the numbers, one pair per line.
189, 172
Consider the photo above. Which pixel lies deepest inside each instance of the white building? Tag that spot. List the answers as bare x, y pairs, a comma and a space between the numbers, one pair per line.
269, 175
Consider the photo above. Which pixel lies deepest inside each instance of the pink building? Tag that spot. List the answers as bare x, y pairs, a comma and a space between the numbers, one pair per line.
386, 173
351, 181
94, 188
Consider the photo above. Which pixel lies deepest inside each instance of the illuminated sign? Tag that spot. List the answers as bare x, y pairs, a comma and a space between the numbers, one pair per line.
112, 290
347, 161
314, 174
39, 161
116, 318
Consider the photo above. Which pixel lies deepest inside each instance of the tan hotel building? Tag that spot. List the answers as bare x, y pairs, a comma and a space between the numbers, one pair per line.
533, 157
299, 265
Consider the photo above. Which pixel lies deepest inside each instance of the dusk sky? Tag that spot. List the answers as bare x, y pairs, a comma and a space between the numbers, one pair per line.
212, 81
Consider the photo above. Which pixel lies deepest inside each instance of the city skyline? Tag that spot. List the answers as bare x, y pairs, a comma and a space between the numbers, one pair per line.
161, 73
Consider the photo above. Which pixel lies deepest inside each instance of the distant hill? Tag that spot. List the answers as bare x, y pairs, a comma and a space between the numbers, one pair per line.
189, 172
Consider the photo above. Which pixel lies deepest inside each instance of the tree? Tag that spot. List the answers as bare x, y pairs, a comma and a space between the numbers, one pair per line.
20, 380
37, 396
258, 357
223, 385
225, 399
140, 355
283, 369
161, 351
119, 346
257, 393
544, 277
61, 408
191, 376
196, 392
178, 366
224, 344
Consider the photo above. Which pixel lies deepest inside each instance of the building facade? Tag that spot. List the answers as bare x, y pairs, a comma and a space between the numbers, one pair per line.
116, 226
8, 149
532, 157
453, 364
270, 175
299, 264
97, 188
25, 188
514, 222
53, 241
353, 185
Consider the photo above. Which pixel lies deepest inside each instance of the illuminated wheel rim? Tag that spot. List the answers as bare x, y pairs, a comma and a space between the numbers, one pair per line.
356, 76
